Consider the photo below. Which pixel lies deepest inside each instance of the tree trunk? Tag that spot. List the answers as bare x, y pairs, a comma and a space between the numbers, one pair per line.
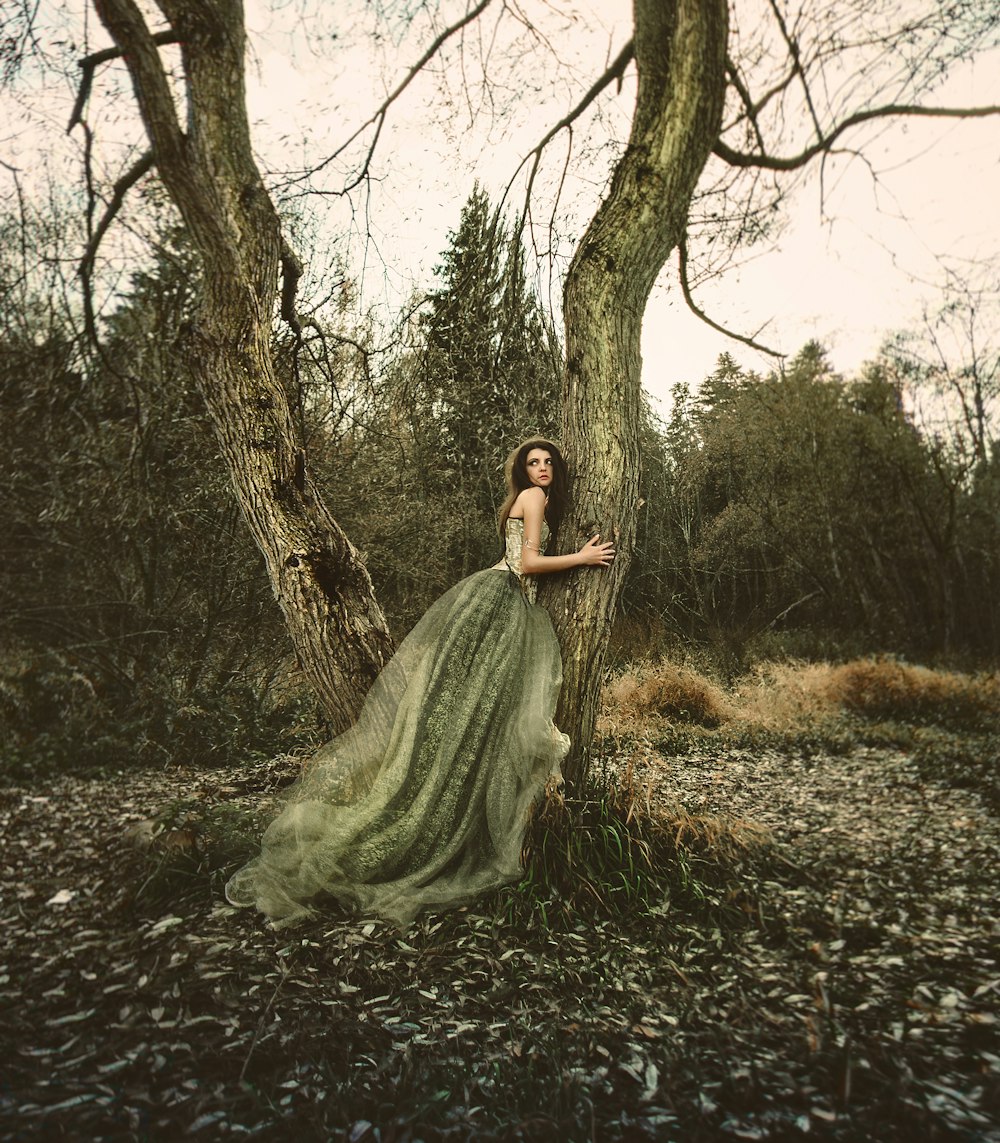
324, 591
680, 52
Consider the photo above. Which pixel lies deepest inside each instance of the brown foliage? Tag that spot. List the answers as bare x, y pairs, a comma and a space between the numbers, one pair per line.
885, 688
784, 696
667, 690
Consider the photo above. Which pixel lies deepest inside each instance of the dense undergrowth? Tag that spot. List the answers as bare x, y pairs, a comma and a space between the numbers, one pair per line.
55, 719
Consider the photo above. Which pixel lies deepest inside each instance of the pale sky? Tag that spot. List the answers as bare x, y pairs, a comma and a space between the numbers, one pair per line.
847, 278
846, 273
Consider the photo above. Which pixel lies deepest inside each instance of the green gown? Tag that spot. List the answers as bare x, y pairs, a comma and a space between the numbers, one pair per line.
425, 800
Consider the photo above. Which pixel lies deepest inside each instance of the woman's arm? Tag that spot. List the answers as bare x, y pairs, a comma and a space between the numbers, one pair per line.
592, 554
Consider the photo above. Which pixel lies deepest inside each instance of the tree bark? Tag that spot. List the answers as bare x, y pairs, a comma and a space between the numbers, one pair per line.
680, 53
321, 584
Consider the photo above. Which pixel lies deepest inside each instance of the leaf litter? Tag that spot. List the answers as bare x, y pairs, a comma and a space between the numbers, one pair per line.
850, 993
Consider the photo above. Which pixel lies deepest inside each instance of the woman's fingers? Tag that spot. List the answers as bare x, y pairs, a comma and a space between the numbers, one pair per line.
602, 554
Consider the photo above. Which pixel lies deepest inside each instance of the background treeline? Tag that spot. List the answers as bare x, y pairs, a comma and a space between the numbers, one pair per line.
809, 513
799, 512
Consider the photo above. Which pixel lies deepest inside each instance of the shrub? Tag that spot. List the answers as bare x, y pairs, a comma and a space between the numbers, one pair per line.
888, 689
56, 717
665, 690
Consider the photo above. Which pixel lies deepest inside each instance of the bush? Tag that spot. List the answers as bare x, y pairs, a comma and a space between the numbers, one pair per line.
55, 717
784, 696
887, 689
665, 690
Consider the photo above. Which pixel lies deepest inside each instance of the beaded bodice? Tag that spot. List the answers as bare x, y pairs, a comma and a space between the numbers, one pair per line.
513, 543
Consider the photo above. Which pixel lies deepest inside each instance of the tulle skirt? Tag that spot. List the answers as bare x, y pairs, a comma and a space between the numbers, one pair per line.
425, 800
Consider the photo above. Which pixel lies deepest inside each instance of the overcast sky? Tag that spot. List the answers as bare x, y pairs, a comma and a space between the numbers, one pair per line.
845, 271
850, 266
867, 265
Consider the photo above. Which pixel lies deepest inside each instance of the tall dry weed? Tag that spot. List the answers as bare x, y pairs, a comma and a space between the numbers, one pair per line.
789, 695
887, 689
785, 696
616, 850
780, 697
663, 691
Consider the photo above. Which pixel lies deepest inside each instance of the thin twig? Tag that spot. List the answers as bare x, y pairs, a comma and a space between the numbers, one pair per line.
141, 167
89, 64
377, 118
682, 261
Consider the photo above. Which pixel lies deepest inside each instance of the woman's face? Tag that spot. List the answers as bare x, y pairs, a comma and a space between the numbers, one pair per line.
538, 465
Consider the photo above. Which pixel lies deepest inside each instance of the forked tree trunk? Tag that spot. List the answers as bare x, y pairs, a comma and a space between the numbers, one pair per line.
680, 53
324, 591
209, 172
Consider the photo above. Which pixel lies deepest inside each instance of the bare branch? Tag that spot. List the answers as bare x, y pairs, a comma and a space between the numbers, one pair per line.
378, 117
744, 93
89, 64
615, 72
124, 22
797, 69
128, 180
757, 106
825, 142
682, 266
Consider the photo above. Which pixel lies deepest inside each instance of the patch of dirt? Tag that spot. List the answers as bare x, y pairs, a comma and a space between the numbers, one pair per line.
858, 1001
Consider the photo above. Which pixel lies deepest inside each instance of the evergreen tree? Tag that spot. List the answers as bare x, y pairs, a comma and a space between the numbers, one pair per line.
482, 372
488, 373
804, 500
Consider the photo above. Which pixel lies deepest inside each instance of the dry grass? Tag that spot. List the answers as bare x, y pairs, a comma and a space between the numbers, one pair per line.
790, 696
883, 688
795, 694
785, 696
663, 690
616, 848
723, 838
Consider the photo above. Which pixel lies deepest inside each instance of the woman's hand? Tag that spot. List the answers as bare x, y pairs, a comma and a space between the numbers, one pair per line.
594, 554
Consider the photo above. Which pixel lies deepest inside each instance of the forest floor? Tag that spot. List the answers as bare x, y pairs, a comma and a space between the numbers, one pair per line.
850, 993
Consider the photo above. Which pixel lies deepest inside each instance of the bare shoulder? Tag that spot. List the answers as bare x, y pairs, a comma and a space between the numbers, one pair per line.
531, 498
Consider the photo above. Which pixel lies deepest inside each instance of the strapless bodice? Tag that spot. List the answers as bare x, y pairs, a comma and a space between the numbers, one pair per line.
513, 543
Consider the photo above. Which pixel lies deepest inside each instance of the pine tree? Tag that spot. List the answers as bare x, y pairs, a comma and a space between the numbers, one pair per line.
488, 371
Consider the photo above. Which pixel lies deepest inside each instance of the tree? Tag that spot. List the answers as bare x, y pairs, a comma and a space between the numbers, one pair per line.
804, 499
680, 52
950, 369
477, 370
953, 360
769, 75
136, 623
210, 174
487, 374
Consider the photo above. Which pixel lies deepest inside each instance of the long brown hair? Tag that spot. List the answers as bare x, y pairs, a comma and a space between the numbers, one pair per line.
516, 474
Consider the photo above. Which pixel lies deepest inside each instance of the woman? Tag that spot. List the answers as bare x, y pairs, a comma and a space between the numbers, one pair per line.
425, 800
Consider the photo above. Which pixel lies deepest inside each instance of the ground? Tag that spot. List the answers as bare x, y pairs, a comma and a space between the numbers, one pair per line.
846, 989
